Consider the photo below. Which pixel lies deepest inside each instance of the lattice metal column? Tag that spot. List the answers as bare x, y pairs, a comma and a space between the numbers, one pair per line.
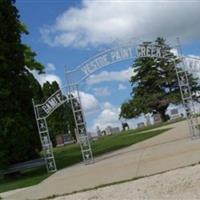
81, 131
187, 102
45, 141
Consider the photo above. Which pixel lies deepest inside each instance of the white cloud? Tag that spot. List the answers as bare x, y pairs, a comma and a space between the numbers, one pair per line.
192, 64
102, 91
42, 78
50, 67
109, 116
48, 76
103, 22
105, 76
89, 102
122, 87
174, 51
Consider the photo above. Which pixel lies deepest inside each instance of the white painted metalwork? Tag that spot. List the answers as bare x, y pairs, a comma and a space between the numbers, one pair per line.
71, 94
42, 111
187, 99
148, 50
188, 103
80, 130
45, 140
105, 58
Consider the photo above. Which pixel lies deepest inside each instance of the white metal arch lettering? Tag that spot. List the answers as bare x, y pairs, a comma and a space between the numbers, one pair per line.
80, 73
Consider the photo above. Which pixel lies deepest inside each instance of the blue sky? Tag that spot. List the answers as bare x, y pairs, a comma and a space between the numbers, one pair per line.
68, 32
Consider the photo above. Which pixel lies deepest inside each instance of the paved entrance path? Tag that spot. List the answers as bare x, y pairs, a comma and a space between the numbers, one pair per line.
169, 150
179, 184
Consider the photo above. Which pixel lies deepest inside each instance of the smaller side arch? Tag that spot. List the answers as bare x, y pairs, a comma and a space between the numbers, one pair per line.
42, 111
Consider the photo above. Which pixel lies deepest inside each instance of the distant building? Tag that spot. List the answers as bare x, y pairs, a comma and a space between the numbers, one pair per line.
140, 125
174, 114
115, 130
157, 118
110, 130
89, 134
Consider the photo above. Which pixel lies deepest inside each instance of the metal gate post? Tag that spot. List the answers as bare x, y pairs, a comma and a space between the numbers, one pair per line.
187, 100
81, 131
45, 141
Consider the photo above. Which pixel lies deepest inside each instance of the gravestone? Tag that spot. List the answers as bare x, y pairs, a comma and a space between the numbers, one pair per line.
174, 114
59, 140
148, 120
157, 118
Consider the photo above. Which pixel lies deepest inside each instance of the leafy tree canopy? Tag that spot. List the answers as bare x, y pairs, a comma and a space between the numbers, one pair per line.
62, 120
19, 140
154, 84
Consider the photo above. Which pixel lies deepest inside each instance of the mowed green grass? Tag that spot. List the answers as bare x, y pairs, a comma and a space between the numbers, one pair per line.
69, 155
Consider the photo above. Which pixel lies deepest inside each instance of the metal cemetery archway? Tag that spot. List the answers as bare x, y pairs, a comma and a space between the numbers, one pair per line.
42, 111
71, 93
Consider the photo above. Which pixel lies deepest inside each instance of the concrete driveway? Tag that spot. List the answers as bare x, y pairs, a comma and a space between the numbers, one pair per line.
170, 150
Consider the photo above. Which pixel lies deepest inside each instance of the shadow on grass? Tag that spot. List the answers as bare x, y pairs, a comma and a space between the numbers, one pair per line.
27, 178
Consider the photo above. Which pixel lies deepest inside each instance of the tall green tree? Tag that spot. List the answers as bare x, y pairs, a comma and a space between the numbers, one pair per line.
19, 140
154, 84
61, 121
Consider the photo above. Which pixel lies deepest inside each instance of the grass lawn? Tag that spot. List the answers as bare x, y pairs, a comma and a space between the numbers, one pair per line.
69, 155
29, 177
